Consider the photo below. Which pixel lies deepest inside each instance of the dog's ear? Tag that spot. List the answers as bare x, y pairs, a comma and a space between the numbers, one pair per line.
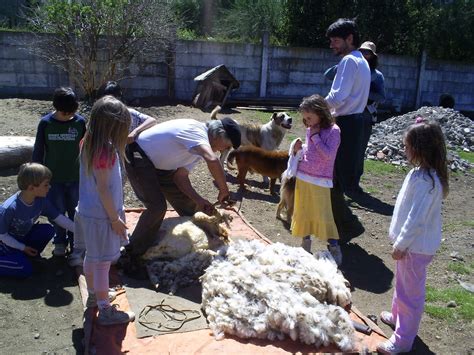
275, 115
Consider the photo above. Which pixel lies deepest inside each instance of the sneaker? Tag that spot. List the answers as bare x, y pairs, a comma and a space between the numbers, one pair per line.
112, 315
390, 348
336, 253
59, 249
92, 300
76, 258
387, 318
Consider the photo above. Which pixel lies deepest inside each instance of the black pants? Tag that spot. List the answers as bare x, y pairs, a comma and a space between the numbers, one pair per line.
348, 154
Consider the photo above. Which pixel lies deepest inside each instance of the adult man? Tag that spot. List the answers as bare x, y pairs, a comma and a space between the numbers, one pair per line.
158, 169
348, 98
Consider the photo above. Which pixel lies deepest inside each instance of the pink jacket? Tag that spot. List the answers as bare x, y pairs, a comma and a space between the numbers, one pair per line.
319, 152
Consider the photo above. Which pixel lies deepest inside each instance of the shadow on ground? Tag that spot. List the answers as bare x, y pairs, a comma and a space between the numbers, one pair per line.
49, 280
370, 203
365, 271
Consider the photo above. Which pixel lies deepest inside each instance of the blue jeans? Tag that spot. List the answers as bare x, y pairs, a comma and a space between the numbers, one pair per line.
14, 262
64, 196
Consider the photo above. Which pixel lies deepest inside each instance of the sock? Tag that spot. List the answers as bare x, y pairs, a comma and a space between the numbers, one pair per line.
103, 304
333, 242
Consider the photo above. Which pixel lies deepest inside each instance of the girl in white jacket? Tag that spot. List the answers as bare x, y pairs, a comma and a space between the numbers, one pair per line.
416, 231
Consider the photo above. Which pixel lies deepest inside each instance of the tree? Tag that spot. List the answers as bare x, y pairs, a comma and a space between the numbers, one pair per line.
248, 20
95, 40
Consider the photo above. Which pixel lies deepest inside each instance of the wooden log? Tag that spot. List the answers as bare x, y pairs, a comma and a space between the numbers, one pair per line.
15, 150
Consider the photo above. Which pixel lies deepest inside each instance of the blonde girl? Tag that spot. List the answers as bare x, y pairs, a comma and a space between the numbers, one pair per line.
415, 230
100, 219
312, 213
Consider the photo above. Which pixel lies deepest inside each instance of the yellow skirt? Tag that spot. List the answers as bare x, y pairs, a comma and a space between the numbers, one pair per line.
313, 212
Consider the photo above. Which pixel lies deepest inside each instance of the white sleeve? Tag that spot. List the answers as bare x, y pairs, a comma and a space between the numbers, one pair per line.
64, 222
418, 203
10, 241
342, 84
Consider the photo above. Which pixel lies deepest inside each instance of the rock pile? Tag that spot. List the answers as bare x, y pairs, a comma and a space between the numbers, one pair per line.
386, 141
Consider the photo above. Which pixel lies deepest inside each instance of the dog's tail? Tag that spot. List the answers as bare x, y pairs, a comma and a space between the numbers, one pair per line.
214, 112
230, 159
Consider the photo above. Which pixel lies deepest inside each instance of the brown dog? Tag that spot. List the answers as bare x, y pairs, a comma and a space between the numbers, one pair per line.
253, 159
287, 198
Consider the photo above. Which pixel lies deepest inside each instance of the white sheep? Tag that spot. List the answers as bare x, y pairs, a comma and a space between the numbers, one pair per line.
273, 291
186, 246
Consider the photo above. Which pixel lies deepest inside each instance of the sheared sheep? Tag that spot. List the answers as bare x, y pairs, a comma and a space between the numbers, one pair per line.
254, 290
187, 246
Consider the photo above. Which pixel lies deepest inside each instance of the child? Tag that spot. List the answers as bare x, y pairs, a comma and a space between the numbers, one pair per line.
19, 235
312, 209
416, 231
100, 215
139, 122
57, 147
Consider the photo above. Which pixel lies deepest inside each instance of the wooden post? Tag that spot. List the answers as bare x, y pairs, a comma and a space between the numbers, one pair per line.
264, 66
421, 78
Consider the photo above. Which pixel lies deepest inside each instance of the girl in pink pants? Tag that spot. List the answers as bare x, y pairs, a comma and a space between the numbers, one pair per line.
416, 231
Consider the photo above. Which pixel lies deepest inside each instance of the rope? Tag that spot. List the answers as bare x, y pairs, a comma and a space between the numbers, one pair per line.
169, 313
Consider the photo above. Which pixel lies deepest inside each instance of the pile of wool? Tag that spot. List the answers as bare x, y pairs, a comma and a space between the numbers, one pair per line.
386, 142
253, 290
179, 257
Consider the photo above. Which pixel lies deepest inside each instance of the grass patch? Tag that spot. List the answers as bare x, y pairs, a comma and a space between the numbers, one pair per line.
469, 156
436, 300
376, 167
459, 268
453, 226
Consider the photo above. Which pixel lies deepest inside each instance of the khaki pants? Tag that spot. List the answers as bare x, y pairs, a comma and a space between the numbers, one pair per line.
153, 188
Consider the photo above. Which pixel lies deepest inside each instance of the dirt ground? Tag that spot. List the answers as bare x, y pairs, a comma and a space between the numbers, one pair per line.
43, 314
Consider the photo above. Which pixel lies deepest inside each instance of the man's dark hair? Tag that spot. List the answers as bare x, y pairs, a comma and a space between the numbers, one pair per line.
110, 88
65, 100
342, 28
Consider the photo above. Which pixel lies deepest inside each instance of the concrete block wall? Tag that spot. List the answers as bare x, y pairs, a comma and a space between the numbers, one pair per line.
298, 72
196, 57
292, 73
443, 77
23, 74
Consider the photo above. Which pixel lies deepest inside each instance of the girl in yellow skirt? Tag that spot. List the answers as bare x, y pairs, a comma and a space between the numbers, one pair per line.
312, 213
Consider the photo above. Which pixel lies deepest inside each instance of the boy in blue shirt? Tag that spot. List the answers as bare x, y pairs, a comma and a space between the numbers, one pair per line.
57, 147
20, 237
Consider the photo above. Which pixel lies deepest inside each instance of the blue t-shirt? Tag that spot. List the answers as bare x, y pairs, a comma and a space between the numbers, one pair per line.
17, 218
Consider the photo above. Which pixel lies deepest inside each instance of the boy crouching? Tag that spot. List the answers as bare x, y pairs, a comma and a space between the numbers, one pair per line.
20, 237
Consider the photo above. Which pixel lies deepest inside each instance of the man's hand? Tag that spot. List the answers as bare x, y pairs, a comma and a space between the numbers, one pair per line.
205, 206
30, 251
398, 254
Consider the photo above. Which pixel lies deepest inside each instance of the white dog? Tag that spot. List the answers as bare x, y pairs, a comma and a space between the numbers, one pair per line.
268, 136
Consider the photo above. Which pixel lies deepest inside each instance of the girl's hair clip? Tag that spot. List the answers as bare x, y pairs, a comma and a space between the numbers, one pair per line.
419, 119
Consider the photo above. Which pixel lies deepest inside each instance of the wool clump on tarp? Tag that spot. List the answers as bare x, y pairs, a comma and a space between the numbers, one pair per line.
253, 290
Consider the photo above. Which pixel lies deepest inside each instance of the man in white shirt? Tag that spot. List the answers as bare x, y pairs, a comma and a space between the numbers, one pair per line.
347, 98
158, 167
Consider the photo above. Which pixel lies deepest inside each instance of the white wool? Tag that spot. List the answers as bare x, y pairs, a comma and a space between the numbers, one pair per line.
185, 246
269, 291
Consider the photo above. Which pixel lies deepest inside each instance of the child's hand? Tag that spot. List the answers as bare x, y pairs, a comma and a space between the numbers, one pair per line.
119, 227
398, 254
30, 251
298, 146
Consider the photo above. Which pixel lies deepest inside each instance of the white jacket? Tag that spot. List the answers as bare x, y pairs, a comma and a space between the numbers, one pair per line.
416, 221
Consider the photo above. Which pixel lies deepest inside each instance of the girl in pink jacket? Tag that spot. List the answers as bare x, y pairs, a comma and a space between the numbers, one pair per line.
312, 208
